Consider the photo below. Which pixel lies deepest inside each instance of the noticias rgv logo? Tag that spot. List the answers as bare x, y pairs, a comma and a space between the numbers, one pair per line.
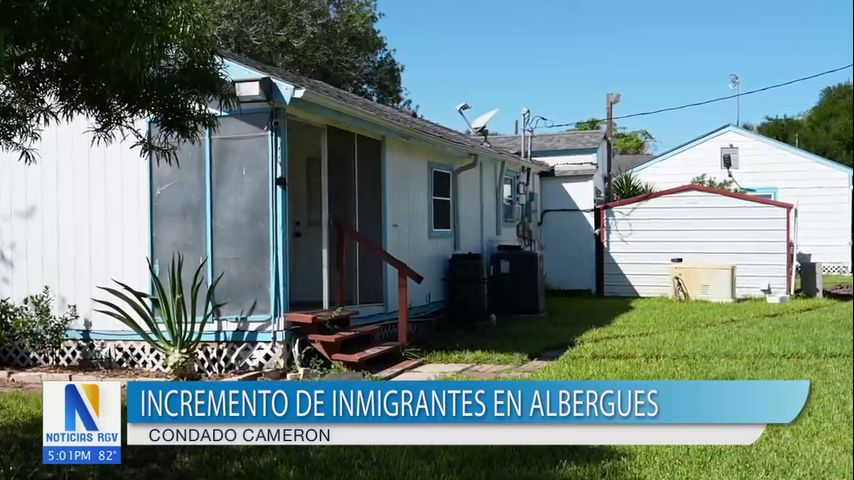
86, 410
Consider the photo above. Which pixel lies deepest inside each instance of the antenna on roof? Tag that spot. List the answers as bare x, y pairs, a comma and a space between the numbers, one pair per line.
478, 127
734, 84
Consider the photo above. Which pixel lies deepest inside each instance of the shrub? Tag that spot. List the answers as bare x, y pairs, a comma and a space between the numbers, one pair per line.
33, 326
166, 320
712, 182
627, 185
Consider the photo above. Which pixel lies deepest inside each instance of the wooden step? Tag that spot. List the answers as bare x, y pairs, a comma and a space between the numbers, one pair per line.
319, 316
366, 354
342, 335
398, 367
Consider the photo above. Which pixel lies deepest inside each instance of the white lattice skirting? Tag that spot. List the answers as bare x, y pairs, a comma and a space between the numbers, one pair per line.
835, 269
213, 358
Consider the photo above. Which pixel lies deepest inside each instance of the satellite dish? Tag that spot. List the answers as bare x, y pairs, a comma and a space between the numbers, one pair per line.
479, 123
734, 81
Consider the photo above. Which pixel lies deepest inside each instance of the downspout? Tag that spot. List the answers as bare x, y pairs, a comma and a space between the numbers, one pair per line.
499, 198
455, 183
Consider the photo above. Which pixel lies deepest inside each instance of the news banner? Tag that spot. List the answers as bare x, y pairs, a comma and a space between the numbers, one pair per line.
83, 421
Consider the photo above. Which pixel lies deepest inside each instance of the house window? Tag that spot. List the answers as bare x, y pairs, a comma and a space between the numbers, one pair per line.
509, 204
441, 200
767, 193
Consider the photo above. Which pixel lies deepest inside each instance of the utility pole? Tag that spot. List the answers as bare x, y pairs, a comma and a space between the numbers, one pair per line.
611, 99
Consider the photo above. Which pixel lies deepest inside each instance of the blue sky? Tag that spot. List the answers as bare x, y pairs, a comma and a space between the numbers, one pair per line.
560, 58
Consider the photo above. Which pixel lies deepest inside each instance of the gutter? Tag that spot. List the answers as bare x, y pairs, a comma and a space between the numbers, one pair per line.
455, 185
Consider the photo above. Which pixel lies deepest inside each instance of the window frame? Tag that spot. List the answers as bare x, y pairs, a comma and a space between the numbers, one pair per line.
431, 230
273, 136
514, 200
762, 191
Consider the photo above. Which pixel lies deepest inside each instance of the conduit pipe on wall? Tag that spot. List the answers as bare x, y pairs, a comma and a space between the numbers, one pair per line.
475, 160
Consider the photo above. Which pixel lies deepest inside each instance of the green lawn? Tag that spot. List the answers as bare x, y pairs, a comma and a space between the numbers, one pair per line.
612, 339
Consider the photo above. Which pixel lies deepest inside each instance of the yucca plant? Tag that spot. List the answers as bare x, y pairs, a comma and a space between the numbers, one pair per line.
627, 185
166, 320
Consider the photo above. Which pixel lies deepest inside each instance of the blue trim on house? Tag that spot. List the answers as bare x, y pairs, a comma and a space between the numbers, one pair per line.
442, 167
281, 217
208, 209
385, 226
732, 128
212, 336
760, 190
251, 335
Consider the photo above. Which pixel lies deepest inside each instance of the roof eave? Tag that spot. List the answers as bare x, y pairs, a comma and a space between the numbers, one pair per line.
323, 100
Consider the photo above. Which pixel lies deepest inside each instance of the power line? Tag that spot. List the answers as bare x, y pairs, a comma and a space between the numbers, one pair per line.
706, 102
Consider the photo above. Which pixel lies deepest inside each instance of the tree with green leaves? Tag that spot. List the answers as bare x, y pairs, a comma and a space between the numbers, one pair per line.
335, 41
113, 62
633, 142
825, 129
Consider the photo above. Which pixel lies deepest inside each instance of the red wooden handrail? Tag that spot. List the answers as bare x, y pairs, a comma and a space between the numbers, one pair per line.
404, 273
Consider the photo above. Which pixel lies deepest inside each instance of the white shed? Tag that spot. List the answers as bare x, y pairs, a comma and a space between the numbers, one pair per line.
699, 225
819, 188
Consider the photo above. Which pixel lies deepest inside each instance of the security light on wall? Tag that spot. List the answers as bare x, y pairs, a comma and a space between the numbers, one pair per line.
253, 90
729, 157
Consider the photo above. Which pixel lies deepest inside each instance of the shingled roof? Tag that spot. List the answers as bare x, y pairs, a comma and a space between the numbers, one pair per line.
576, 140
622, 163
396, 116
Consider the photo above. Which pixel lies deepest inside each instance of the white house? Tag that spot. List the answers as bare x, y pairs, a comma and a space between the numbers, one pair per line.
820, 189
260, 197
570, 190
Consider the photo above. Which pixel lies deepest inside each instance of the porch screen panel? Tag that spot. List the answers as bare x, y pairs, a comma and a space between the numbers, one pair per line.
240, 219
369, 193
178, 220
341, 146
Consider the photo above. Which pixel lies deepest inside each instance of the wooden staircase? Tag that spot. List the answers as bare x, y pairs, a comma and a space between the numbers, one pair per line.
331, 334
358, 348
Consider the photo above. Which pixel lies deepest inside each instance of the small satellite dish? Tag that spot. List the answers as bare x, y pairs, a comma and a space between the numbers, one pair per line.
734, 81
479, 123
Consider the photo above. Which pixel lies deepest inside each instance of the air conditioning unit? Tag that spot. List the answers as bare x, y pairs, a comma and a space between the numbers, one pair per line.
713, 283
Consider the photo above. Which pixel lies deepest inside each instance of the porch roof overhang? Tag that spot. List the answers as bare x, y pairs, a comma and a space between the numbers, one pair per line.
321, 99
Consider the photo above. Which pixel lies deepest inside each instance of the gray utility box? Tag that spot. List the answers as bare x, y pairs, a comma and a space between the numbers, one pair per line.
811, 281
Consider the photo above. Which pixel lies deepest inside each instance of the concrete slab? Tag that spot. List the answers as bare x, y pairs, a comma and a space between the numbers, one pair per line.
442, 367
56, 377
244, 377
26, 377
488, 368
414, 376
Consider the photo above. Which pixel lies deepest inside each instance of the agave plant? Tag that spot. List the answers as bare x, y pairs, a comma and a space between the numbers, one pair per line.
166, 320
627, 185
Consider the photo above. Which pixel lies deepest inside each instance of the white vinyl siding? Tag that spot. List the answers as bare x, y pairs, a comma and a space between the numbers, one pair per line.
74, 220
821, 193
700, 228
